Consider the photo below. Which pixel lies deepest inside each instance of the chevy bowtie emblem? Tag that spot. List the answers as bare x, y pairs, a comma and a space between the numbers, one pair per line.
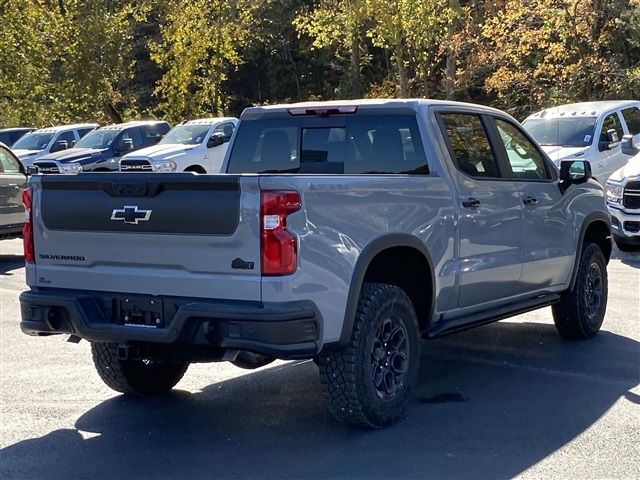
131, 214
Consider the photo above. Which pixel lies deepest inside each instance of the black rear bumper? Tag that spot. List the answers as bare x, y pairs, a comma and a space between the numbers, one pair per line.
281, 330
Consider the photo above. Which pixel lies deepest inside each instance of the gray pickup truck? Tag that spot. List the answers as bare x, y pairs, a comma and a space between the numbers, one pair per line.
341, 232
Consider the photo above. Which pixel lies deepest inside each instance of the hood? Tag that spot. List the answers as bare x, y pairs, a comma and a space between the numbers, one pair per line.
27, 157
74, 155
557, 153
630, 171
160, 152
21, 153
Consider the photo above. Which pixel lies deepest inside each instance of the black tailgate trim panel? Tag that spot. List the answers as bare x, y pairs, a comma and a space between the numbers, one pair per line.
179, 203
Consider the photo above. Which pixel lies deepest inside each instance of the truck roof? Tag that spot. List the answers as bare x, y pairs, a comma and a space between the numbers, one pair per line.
387, 103
17, 129
584, 109
208, 121
135, 123
63, 128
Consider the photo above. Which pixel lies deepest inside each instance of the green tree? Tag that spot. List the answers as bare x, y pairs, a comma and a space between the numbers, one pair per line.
339, 25
200, 44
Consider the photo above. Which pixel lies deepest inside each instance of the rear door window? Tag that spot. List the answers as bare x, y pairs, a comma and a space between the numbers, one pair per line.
469, 145
632, 118
357, 144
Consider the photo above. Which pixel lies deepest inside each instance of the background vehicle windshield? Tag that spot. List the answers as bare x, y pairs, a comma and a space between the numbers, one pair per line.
98, 139
186, 134
33, 141
565, 132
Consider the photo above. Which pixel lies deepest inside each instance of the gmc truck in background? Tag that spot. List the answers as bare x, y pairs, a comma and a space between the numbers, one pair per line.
341, 232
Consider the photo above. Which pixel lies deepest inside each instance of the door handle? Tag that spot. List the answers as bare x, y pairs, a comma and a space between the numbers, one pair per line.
529, 200
471, 203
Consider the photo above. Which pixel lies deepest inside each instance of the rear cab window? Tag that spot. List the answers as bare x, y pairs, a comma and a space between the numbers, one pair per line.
361, 143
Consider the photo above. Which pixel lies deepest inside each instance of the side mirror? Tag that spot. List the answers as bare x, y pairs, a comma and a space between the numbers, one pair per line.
215, 140
59, 146
125, 145
630, 145
574, 172
611, 141
32, 170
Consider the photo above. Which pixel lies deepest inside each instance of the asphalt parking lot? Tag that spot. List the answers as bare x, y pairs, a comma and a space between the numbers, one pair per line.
509, 399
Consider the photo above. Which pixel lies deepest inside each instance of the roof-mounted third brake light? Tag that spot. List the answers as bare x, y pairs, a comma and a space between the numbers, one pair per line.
322, 111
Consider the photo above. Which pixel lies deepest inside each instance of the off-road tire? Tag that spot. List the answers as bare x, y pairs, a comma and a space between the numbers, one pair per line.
347, 374
135, 377
575, 316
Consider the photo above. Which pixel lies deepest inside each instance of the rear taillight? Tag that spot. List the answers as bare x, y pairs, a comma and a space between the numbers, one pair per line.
27, 229
278, 246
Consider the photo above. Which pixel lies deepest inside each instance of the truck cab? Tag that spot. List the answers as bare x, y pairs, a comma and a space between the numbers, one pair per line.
194, 146
590, 131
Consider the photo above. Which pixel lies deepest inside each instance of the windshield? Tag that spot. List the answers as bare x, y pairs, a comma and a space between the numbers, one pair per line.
186, 134
33, 141
564, 132
98, 139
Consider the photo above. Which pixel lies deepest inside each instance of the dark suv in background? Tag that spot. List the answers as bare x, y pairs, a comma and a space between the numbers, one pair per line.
100, 150
9, 136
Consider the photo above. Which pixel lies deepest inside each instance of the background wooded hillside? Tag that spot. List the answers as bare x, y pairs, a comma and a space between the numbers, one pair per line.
111, 60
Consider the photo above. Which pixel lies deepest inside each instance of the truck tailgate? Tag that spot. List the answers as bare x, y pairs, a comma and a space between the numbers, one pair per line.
158, 234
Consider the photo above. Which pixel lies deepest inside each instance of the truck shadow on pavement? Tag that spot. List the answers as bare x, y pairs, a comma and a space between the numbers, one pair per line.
490, 403
9, 263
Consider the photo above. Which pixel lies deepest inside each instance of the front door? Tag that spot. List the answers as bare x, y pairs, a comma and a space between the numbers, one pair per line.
490, 213
547, 242
610, 156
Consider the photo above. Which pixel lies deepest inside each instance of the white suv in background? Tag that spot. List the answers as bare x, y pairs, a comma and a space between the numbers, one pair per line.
194, 146
587, 131
38, 143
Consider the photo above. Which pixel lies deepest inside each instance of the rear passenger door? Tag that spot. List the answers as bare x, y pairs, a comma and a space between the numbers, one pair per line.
547, 240
490, 212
